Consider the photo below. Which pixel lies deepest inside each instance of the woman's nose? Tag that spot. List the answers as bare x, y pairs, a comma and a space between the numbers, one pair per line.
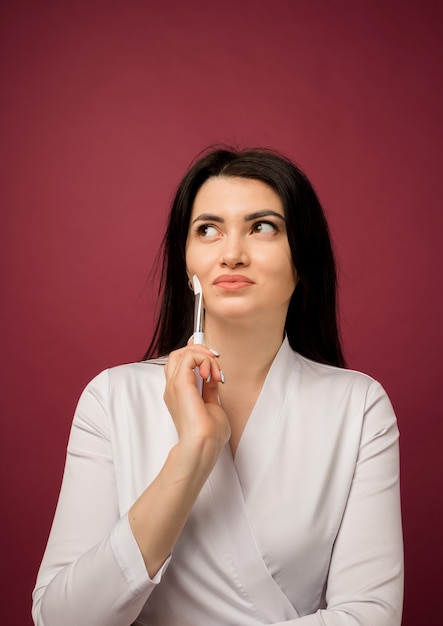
234, 252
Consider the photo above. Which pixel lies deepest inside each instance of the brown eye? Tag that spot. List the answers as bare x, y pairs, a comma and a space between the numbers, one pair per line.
206, 230
264, 227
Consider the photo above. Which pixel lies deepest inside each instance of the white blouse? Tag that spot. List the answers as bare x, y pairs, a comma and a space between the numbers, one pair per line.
302, 527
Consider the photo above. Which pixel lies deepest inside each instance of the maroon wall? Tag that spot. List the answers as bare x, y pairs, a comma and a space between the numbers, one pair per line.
103, 106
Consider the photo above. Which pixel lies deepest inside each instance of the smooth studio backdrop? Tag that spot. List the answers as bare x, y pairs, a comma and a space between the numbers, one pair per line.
104, 104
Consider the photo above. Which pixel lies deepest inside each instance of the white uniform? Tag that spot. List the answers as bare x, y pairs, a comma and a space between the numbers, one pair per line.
302, 527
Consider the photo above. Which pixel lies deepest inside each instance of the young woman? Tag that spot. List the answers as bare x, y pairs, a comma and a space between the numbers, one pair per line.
273, 497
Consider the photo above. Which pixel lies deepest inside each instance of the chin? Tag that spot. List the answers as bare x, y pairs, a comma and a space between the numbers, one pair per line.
238, 313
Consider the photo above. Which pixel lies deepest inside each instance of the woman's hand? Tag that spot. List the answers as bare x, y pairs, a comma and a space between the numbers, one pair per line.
157, 517
200, 421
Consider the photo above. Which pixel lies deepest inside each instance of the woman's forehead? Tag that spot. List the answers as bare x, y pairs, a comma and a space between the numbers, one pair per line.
236, 194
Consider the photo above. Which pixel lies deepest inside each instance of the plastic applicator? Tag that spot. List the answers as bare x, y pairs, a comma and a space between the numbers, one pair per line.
199, 337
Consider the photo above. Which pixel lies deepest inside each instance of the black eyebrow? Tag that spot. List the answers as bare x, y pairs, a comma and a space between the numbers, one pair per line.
209, 217
265, 213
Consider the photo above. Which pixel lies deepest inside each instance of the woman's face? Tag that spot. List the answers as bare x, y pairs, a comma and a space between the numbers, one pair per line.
238, 247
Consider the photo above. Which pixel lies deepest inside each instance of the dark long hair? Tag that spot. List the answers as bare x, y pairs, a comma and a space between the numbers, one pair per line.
311, 323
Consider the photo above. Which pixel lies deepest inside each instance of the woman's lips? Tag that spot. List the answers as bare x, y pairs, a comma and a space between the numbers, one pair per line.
233, 281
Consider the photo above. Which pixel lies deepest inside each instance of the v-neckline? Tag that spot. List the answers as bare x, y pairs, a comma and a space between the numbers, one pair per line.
255, 441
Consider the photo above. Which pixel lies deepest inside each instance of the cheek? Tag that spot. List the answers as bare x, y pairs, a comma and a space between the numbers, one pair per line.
190, 256
198, 261
283, 275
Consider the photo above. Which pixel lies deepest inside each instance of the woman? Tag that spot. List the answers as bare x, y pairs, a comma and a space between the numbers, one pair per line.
273, 498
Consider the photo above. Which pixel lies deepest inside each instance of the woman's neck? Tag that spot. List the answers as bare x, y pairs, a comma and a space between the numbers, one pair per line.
245, 351
246, 356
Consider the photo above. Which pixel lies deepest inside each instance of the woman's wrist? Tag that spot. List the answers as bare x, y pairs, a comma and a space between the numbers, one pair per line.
195, 458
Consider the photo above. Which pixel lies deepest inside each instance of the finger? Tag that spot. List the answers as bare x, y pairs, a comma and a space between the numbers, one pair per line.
181, 362
210, 393
190, 342
175, 357
214, 372
190, 346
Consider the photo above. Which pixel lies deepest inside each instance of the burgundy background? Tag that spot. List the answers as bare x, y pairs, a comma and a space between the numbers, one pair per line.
104, 104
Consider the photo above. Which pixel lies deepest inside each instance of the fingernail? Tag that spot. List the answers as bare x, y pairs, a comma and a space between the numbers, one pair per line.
208, 380
214, 352
222, 376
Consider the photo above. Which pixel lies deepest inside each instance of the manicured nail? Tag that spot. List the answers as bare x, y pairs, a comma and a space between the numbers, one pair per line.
214, 352
222, 376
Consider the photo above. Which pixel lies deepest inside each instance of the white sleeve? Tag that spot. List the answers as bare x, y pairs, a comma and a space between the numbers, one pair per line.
365, 580
92, 570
